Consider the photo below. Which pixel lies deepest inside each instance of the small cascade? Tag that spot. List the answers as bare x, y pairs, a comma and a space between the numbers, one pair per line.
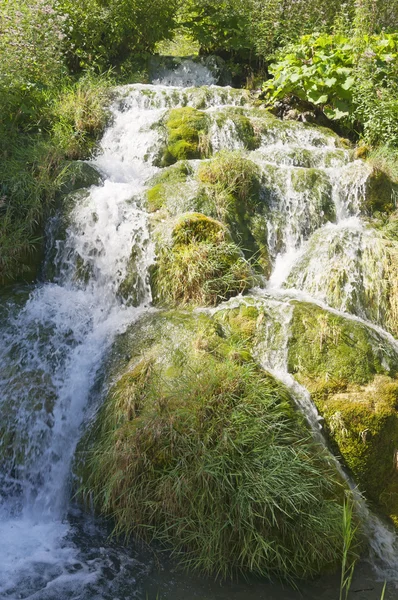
57, 334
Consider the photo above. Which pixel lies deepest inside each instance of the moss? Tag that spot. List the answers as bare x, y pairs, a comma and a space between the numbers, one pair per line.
241, 322
328, 351
165, 182
349, 370
242, 125
363, 422
318, 183
132, 288
201, 265
233, 183
207, 455
379, 193
186, 135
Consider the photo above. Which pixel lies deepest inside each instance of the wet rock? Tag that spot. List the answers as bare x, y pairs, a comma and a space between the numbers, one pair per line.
80, 175
351, 372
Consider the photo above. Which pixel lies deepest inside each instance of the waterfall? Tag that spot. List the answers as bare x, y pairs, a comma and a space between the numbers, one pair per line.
56, 334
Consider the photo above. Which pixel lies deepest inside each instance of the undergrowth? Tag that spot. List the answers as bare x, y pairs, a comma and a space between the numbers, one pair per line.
34, 166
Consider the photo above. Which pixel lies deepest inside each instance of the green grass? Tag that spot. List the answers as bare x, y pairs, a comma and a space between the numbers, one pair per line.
206, 455
202, 266
33, 167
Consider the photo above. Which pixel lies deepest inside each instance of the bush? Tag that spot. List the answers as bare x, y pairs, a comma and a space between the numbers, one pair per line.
101, 34
34, 167
352, 80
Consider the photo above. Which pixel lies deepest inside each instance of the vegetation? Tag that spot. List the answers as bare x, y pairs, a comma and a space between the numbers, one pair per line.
201, 266
186, 135
351, 374
203, 451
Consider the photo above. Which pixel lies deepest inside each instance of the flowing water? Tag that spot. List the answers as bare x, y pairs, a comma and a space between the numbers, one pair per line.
56, 334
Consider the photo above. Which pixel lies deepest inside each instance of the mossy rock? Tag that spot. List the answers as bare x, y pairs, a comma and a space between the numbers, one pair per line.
207, 455
380, 194
232, 182
27, 404
80, 175
165, 183
350, 370
329, 352
187, 138
200, 265
132, 289
249, 138
363, 423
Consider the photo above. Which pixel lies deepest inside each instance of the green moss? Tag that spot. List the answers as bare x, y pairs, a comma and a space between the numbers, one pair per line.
233, 183
186, 135
363, 423
242, 124
379, 194
207, 455
165, 182
349, 370
318, 184
329, 352
241, 322
201, 265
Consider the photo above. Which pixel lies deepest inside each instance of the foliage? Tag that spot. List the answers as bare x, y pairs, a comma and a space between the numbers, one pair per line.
78, 115
31, 58
351, 80
202, 266
347, 566
34, 167
219, 27
206, 454
100, 34
255, 28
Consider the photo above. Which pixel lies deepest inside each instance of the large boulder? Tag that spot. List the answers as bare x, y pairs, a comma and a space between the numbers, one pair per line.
197, 447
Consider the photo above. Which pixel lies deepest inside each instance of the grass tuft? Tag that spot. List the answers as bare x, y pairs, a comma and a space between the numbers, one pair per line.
207, 456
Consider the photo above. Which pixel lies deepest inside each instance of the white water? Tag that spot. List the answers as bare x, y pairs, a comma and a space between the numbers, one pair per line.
54, 346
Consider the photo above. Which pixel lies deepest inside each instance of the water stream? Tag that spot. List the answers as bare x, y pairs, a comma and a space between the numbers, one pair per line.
56, 334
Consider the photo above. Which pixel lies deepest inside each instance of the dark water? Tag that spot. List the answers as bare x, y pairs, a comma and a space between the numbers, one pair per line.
129, 571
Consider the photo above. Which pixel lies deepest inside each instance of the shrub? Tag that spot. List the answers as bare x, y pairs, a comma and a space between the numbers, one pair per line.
352, 80
99, 35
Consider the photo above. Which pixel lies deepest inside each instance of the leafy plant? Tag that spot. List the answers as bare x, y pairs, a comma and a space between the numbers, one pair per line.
351, 80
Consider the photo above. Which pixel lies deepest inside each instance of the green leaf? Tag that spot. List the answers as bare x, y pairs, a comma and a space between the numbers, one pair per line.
315, 98
330, 82
349, 82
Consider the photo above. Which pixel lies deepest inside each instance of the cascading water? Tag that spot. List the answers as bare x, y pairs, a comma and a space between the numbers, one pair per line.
56, 335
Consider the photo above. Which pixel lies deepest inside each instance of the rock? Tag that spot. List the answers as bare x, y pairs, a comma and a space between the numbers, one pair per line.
351, 373
80, 175
186, 130
198, 448
200, 265
379, 194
